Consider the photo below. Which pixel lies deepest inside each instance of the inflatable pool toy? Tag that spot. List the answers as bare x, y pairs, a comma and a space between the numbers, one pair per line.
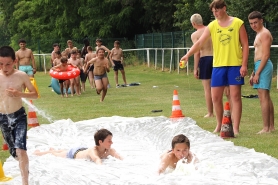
56, 86
182, 64
71, 72
33, 81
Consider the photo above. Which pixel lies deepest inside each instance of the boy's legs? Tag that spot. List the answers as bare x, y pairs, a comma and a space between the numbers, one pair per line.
235, 98
91, 79
123, 75
217, 99
72, 86
267, 111
23, 161
77, 85
207, 90
99, 85
57, 153
116, 77
105, 83
61, 88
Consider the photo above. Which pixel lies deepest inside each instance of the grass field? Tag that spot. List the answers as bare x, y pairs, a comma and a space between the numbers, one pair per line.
154, 92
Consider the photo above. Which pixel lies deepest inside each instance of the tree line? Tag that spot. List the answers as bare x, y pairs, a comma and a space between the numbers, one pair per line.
68, 19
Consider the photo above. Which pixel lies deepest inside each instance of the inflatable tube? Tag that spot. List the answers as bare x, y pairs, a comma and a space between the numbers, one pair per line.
71, 72
56, 86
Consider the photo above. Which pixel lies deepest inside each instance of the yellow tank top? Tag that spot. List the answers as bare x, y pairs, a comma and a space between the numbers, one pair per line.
226, 44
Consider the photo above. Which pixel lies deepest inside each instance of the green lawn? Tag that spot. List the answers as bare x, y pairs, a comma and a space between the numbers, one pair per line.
139, 101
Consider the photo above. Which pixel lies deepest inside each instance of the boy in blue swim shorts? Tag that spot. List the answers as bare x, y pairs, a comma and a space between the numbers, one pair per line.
230, 57
103, 141
262, 74
13, 120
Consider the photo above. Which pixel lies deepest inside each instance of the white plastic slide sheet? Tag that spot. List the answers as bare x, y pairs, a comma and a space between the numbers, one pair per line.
140, 141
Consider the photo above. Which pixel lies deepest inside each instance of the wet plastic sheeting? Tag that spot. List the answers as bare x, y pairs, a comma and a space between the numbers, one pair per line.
140, 141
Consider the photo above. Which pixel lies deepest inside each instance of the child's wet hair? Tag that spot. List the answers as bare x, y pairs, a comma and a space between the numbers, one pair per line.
64, 60
7, 51
180, 139
101, 135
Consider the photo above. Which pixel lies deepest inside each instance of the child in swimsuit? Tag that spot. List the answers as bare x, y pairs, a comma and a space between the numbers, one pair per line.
180, 150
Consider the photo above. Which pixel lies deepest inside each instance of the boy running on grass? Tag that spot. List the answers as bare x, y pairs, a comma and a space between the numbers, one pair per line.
13, 120
101, 67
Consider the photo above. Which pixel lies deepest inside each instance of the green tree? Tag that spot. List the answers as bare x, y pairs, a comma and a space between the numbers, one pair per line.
186, 8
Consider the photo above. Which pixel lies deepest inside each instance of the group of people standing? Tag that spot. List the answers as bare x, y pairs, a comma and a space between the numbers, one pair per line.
220, 60
92, 65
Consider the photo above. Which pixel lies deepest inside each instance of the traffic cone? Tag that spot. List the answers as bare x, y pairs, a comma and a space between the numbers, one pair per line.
5, 145
3, 178
32, 116
176, 108
227, 126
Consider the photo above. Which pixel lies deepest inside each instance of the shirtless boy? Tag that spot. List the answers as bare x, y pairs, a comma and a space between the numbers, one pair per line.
69, 48
63, 66
53, 54
24, 57
180, 150
57, 59
99, 45
262, 74
101, 66
103, 141
230, 58
117, 60
75, 82
88, 57
13, 120
203, 61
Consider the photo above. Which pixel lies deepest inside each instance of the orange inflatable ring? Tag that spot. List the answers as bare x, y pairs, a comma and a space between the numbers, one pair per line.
71, 72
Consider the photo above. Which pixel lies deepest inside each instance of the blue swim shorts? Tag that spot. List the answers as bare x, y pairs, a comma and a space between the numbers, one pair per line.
265, 76
27, 69
14, 130
72, 152
99, 77
227, 75
205, 67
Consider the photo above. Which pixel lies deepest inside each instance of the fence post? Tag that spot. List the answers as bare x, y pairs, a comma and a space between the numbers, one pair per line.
39, 50
162, 53
148, 56
155, 60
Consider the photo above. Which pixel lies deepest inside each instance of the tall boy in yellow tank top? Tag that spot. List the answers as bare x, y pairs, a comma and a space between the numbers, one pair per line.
230, 57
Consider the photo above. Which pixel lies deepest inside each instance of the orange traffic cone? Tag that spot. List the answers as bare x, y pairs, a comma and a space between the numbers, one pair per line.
5, 145
227, 126
32, 116
176, 108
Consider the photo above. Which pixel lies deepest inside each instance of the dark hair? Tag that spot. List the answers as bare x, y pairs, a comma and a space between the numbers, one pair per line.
180, 139
64, 60
58, 52
7, 51
55, 44
21, 41
73, 51
117, 42
255, 14
217, 4
101, 135
98, 40
100, 49
89, 48
86, 42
